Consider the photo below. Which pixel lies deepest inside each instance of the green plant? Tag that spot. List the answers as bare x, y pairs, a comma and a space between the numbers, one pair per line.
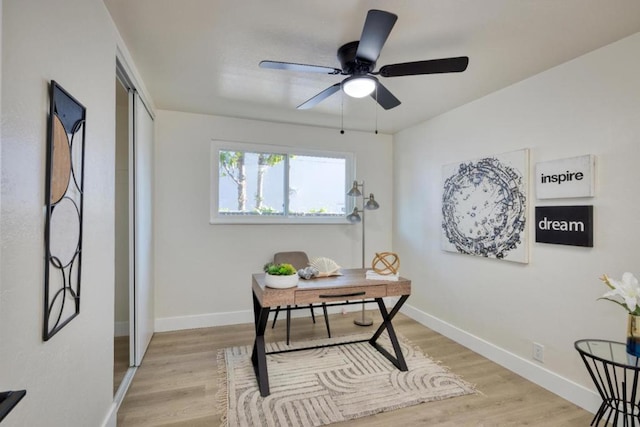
265, 210
318, 210
279, 269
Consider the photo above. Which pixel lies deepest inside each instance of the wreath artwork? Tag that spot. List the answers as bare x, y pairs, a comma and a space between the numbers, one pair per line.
484, 207
63, 199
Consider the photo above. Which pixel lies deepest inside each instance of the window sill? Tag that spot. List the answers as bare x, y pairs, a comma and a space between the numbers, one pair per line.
261, 220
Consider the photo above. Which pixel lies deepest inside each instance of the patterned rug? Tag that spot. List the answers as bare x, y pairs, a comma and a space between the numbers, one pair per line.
323, 386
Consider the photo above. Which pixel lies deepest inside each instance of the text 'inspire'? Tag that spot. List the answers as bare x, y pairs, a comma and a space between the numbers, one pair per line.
561, 177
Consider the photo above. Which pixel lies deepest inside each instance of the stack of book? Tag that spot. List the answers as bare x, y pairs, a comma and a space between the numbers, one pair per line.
372, 275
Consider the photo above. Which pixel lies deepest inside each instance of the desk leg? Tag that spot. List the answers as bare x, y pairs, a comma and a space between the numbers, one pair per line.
398, 360
258, 355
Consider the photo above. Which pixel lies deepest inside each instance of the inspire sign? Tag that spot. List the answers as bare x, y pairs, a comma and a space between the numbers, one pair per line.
565, 178
565, 225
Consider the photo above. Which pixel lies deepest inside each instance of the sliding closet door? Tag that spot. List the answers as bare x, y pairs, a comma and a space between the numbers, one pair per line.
143, 227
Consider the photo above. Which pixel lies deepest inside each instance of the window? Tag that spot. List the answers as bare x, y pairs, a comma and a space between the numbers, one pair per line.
271, 184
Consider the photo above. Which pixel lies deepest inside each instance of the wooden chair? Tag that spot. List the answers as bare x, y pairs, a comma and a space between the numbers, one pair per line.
299, 260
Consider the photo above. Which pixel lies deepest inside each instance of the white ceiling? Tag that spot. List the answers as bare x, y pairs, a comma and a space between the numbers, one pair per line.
202, 55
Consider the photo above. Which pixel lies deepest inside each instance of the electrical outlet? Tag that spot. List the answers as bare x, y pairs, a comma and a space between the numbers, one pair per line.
538, 352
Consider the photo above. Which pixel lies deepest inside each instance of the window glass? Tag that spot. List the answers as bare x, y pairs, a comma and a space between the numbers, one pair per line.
316, 186
262, 184
250, 183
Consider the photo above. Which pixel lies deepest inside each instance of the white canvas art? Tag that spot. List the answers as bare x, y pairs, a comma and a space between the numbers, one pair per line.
566, 178
484, 207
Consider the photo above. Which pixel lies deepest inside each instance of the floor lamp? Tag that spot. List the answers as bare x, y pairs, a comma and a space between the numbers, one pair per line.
368, 203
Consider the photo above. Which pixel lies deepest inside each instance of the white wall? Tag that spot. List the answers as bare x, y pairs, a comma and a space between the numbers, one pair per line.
203, 271
69, 379
590, 105
1, 8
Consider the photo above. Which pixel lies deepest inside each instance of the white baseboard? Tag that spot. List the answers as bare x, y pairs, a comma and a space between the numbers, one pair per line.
563, 387
112, 415
111, 419
121, 329
208, 320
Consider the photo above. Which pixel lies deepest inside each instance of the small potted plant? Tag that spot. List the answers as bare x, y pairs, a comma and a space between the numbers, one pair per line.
280, 275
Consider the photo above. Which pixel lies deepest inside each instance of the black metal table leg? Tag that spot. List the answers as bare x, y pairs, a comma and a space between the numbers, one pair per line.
313, 315
261, 318
258, 355
275, 317
326, 319
398, 360
288, 323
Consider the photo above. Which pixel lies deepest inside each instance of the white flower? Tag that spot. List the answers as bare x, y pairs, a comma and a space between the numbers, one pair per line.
627, 289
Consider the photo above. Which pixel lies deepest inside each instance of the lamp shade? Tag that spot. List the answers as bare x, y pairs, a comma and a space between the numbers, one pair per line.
359, 86
371, 203
354, 216
354, 192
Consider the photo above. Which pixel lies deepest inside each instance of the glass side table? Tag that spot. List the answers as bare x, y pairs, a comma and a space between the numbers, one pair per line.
615, 374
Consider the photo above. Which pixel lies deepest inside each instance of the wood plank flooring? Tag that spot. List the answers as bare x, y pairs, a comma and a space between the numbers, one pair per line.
178, 381
120, 360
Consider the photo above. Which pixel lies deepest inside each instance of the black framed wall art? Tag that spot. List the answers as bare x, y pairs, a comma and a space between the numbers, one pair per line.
64, 194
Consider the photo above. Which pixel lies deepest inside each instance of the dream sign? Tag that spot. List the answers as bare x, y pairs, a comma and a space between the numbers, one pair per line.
565, 225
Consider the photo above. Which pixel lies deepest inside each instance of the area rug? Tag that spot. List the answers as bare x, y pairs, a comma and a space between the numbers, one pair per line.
323, 386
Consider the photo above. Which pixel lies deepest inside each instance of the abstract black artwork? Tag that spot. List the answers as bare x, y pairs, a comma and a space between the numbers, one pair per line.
484, 207
64, 191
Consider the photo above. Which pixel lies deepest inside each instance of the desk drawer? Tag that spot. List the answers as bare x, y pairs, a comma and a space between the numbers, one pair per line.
337, 294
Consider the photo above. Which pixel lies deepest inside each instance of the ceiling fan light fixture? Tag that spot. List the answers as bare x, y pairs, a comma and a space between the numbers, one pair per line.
359, 86
358, 60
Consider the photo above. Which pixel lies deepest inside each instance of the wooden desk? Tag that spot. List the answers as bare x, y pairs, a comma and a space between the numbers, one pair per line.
333, 291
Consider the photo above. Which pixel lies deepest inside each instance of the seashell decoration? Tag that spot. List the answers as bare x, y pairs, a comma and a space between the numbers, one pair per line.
325, 266
308, 272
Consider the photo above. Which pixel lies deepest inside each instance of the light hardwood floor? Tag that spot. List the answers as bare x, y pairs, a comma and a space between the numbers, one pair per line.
120, 360
178, 380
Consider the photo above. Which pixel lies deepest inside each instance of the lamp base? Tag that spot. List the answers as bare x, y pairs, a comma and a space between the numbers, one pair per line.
363, 322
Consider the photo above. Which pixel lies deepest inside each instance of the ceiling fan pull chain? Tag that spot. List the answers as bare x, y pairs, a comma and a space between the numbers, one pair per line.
341, 113
376, 108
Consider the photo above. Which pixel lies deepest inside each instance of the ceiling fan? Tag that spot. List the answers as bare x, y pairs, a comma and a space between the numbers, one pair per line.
358, 61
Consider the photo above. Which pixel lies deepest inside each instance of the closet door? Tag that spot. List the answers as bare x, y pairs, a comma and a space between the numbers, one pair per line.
143, 227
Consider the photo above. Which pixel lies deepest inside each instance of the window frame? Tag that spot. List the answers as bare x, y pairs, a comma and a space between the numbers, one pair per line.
224, 145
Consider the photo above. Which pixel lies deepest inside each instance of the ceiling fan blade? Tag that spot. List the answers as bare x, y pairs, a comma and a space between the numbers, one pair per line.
432, 66
376, 29
384, 97
319, 97
290, 66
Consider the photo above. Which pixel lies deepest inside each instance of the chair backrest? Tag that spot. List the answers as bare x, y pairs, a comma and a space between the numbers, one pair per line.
298, 259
